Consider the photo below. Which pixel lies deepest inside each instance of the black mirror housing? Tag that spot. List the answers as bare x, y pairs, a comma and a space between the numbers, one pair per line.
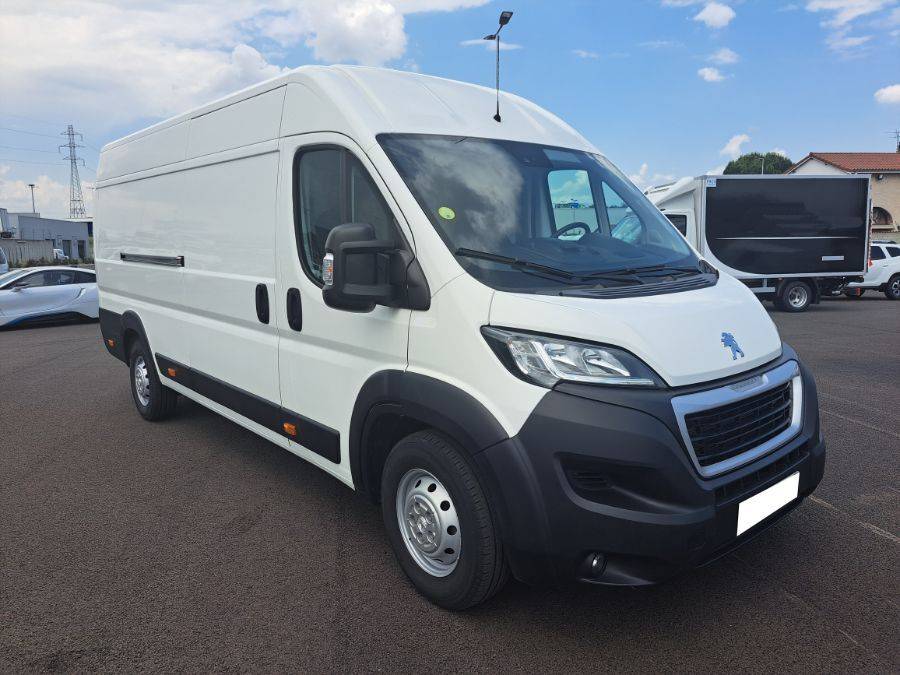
361, 271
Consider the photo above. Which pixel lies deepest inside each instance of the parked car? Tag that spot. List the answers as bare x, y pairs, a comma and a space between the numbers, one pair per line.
4, 262
59, 255
366, 268
883, 274
47, 293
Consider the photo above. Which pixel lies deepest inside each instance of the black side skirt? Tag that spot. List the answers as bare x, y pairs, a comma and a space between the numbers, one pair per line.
319, 438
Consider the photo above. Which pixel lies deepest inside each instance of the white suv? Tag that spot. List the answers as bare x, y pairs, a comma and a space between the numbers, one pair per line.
883, 274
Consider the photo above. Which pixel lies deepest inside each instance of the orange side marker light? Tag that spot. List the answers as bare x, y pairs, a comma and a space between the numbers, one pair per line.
111, 342
290, 429
171, 372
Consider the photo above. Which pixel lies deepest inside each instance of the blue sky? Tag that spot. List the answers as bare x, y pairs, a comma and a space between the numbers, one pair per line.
661, 86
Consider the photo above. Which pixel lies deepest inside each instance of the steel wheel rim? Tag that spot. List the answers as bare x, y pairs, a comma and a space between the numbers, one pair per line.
895, 287
429, 522
797, 296
141, 381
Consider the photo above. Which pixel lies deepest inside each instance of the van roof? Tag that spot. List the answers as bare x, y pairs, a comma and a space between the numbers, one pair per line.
363, 102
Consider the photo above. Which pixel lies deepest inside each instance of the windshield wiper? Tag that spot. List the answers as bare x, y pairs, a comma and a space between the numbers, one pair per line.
571, 277
515, 262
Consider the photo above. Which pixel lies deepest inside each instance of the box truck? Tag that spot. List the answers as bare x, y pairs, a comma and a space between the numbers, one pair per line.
365, 268
790, 239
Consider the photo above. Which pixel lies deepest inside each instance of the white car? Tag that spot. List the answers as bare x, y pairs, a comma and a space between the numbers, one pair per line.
41, 293
883, 274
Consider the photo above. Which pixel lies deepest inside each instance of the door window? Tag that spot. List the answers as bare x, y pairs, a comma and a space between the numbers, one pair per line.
36, 280
334, 188
573, 202
893, 251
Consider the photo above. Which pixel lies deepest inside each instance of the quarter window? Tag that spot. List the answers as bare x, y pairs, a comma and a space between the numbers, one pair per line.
85, 278
333, 188
875, 253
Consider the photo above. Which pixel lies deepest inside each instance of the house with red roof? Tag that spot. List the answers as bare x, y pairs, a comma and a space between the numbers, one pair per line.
883, 169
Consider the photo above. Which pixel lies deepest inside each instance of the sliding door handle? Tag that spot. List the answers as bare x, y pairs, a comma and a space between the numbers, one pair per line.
262, 303
294, 310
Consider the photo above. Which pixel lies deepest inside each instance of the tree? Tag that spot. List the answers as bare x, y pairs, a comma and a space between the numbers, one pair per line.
753, 162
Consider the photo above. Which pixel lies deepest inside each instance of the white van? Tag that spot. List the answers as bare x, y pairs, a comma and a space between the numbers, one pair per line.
483, 326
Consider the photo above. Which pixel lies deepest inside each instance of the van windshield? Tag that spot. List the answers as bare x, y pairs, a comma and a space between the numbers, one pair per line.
522, 216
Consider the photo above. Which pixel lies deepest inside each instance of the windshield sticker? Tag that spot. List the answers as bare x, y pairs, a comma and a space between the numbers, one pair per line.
446, 213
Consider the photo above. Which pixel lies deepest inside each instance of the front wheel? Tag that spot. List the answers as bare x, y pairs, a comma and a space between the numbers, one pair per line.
795, 296
153, 400
439, 522
892, 289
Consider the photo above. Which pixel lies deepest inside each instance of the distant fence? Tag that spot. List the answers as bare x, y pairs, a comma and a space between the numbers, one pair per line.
20, 251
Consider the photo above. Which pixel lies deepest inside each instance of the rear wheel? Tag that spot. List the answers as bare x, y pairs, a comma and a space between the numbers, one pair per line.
892, 289
439, 522
854, 293
153, 400
795, 296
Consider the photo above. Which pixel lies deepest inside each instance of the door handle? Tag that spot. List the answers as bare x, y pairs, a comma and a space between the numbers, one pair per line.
262, 303
294, 309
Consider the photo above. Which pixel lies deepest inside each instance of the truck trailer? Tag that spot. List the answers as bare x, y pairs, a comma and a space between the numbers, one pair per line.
790, 239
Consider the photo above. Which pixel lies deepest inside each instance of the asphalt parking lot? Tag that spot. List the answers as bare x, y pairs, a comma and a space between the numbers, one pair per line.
193, 545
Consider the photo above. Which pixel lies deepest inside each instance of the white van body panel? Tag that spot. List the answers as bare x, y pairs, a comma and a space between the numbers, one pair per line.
677, 334
446, 343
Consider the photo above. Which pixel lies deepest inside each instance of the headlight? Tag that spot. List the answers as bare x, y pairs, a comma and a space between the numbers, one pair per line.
547, 360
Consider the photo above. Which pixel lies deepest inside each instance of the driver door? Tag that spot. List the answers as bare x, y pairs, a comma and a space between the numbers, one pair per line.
327, 354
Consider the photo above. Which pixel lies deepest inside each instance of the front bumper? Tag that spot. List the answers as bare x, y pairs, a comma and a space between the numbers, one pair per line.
606, 471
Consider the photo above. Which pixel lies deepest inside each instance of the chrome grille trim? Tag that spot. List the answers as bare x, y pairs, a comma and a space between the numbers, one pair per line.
733, 393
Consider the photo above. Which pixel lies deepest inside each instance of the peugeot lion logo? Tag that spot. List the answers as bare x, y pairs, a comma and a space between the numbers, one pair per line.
729, 342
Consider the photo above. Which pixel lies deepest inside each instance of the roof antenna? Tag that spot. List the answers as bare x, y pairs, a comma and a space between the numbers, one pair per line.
504, 19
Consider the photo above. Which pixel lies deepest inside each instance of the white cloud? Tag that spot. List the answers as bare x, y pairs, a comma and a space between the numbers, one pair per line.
710, 74
780, 151
715, 15
790, 7
733, 146
585, 54
845, 11
841, 42
490, 45
643, 179
108, 63
724, 56
840, 17
889, 94
51, 198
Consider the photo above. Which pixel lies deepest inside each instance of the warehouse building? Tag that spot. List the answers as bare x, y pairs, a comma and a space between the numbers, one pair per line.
72, 237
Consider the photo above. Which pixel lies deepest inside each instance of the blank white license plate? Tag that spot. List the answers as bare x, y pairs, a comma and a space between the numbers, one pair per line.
761, 506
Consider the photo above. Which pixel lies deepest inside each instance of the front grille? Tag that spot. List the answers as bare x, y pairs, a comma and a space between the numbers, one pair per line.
721, 433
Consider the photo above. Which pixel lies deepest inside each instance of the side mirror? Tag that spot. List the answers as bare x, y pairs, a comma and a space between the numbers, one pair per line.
361, 271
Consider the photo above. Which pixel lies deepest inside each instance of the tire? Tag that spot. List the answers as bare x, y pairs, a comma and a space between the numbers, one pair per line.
153, 400
426, 476
892, 288
854, 293
795, 296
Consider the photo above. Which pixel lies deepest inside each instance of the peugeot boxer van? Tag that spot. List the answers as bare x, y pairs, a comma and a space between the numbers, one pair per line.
481, 325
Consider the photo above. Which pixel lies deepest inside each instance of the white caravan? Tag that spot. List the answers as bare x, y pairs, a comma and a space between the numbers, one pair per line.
790, 239
365, 268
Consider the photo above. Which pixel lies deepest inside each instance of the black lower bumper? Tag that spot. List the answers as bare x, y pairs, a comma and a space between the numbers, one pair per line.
610, 480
